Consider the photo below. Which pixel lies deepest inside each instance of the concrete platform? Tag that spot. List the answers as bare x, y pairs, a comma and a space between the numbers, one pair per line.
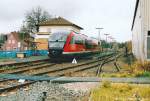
76, 79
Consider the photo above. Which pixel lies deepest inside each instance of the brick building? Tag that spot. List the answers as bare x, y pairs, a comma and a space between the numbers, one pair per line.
13, 42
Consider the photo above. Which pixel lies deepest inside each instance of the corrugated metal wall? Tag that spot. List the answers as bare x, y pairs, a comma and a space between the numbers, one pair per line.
141, 46
137, 30
146, 26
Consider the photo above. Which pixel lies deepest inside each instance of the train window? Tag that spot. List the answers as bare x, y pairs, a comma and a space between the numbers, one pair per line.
88, 44
79, 40
72, 40
58, 36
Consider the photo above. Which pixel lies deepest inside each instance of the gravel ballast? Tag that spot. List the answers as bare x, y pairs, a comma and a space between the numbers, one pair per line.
46, 91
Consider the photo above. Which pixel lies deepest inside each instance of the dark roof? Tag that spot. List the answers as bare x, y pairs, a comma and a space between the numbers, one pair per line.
136, 7
59, 22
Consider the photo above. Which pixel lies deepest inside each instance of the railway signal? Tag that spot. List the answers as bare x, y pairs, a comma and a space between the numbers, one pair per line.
74, 61
21, 80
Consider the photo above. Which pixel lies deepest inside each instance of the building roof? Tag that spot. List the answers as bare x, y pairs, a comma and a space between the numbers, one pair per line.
15, 34
136, 7
59, 22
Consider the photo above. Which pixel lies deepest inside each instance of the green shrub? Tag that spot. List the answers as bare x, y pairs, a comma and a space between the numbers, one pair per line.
144, 74
106, 84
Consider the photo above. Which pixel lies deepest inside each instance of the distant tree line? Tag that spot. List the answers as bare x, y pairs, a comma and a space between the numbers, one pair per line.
3, 38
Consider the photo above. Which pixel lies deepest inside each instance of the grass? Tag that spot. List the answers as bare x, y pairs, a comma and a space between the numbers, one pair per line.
126, 74
118, 74
144, 74
136, 69
120, 92
8, 68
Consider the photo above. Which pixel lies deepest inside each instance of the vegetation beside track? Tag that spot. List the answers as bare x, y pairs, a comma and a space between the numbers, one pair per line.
120, 92
130, 67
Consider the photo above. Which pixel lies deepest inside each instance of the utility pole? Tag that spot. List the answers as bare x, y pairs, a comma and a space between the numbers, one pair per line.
106, 41
106, 37
101, 49
99, 36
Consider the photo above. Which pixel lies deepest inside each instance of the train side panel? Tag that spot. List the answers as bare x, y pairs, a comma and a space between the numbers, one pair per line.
75, 44
72, 46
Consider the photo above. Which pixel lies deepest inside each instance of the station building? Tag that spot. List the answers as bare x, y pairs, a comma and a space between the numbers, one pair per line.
46, 28
141, 30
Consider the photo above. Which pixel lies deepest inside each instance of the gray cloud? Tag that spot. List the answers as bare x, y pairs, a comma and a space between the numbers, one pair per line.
114, 15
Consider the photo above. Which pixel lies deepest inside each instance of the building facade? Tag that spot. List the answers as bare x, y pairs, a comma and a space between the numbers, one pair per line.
141, 30
13, 43
48, 27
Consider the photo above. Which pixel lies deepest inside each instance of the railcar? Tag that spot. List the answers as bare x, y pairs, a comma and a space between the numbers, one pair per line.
71, 44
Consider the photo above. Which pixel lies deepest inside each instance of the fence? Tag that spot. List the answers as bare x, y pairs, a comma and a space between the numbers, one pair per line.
12, 54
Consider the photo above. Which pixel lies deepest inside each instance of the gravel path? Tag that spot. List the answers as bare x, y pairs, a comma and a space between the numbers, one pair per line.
53, 92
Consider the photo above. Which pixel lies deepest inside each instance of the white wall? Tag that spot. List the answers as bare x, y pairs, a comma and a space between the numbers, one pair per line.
36, 36
53, 28
136, 39
140, 30
145, 4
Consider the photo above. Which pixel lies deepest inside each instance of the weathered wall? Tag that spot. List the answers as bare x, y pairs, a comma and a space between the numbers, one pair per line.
136, 36
42, 43
140, 30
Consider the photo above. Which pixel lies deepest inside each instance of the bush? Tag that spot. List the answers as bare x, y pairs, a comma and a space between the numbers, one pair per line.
106, 84
139, 66
144, 74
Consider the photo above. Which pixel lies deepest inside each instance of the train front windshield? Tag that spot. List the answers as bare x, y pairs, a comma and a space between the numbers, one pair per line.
58, 39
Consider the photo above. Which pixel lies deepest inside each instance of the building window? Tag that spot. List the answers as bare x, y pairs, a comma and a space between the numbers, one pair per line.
148, 33
9, 41
13, 41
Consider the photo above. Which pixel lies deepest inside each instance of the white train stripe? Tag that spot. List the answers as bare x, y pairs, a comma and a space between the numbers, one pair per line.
76, 52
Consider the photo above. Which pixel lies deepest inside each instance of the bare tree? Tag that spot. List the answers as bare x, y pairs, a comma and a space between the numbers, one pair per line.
33, 18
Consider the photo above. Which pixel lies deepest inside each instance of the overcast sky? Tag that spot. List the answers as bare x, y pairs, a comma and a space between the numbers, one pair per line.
115, 16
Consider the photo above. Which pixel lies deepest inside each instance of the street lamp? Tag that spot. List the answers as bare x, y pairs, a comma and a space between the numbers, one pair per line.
99, 37
106, 37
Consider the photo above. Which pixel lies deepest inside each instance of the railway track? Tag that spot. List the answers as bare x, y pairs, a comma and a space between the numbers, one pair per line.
23, 67
14, 66
57, 71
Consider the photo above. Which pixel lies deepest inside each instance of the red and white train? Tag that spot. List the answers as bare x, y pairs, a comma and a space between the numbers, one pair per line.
70, 43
